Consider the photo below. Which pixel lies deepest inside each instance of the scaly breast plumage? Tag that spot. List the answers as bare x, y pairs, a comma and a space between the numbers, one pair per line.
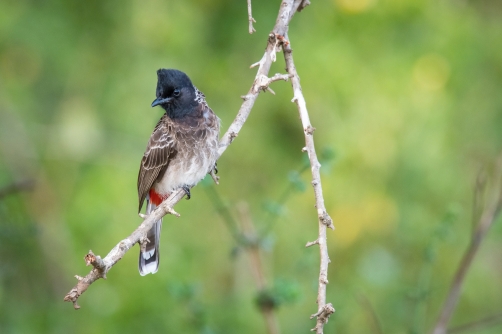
195, 157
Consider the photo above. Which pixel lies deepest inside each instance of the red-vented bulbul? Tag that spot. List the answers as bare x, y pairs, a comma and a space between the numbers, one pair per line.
181, 151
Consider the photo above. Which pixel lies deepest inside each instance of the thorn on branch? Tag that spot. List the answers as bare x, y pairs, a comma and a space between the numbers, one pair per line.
323, 315
304, 149
260, 62
168, 209
312, 243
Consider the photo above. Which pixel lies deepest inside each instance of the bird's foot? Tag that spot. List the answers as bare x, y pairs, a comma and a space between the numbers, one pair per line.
187, 191
213, 173
216, 179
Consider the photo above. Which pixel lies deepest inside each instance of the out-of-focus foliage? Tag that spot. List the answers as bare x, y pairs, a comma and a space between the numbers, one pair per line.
405, 95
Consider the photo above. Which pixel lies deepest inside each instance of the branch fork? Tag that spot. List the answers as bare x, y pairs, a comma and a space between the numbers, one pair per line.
263, 82
277, 41
324, 220
483, 219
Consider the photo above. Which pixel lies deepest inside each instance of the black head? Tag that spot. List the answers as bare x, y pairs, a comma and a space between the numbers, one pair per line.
175, 93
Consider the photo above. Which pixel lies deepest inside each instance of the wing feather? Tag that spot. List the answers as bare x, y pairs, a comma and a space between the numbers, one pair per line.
159, 151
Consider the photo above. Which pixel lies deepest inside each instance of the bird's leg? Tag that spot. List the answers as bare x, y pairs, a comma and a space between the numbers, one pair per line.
213, 173
187, 191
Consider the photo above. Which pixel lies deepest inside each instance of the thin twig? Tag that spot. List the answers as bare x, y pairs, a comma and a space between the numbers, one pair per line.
15, 187
286, 11
272, 217
322, 317
253, 250
478, 198
492, 320
312, 243
102, 266
250, 18
372, 316
225, 213
488, 216
324, 219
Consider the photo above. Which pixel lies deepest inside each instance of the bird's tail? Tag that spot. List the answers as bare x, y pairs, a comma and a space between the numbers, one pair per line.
149, 259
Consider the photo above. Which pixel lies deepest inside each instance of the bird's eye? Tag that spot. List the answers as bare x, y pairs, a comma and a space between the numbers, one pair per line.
176, 93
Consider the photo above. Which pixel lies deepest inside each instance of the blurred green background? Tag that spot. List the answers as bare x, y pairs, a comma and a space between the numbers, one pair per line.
406, 98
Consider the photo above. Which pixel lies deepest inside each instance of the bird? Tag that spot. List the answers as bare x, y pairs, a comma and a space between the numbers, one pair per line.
182, 149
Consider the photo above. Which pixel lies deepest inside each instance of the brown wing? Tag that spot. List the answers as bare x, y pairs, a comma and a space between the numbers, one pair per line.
159, 151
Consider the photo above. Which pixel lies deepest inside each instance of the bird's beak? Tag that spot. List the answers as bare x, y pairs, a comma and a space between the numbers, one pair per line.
160, 100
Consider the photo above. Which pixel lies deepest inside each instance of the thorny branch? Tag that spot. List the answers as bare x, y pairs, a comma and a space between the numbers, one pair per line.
286, 12
250, 18
324, 310
486, 219
322, 317
102, 266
